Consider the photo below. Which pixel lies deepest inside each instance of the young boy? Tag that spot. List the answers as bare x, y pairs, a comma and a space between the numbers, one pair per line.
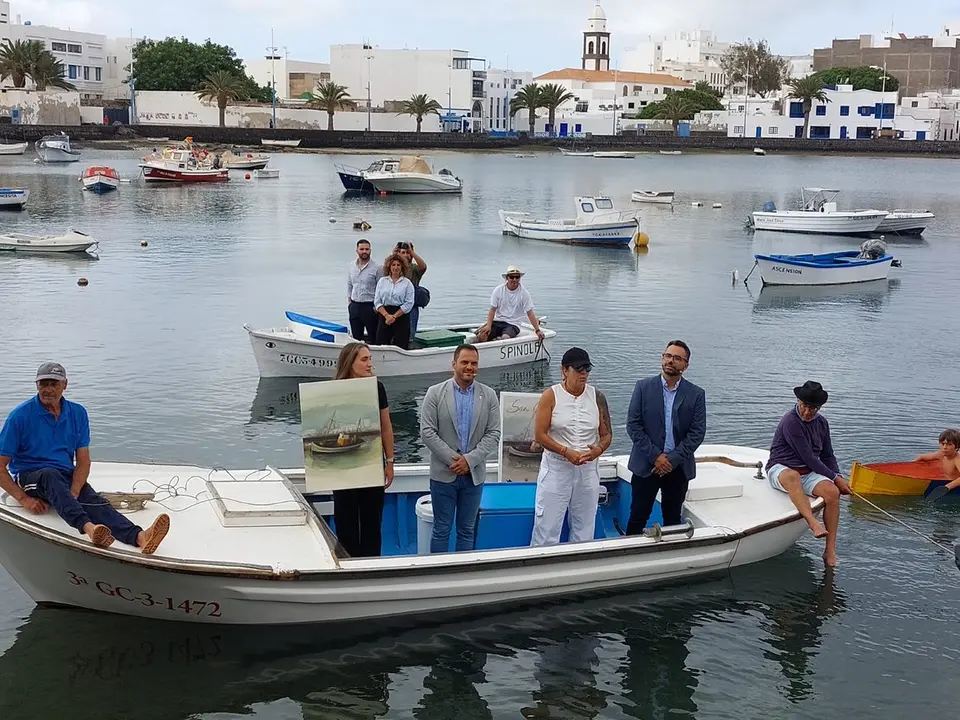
948, 456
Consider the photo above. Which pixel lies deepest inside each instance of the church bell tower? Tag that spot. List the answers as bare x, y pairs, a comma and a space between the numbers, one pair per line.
596, 41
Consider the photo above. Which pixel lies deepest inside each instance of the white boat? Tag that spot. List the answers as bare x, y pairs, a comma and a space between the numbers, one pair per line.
412, 175
56, 149
759, 151
100, 179
524, 155
309, 347
671, 152
13, 148
182, 163
279, 143
661, 197
257, 548
246, 161
597, 222
575, 153
72, 241
626, 155
817, 214
905, 222
266, 173
838, 268
14, 198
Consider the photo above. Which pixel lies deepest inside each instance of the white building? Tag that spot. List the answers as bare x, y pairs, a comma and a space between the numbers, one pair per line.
384, 78
799, 65
502, 85
294, 78
82, 54
116, 71
693, 55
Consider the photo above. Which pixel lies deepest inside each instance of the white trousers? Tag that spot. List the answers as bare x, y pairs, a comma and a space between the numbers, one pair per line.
565, 489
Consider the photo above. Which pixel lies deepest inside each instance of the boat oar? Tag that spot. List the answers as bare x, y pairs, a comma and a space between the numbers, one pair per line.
937, 493
755, 263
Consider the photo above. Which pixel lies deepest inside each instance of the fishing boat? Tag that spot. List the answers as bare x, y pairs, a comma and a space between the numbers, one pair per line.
836, 268
246, 161
334, 441
100, 179
412, 175
818, 213
903, 478
597, 222
905, 222
659, 197
266, 173
182, 163
72, 241
261, 549
309, 347
14, 198
279, 143
56, 149
352, 178
13, 148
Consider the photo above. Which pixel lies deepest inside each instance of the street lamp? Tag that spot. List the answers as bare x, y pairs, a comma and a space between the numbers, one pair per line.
273, 79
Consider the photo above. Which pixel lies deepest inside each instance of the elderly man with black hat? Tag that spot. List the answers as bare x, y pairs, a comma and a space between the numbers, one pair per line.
572, 424
802, 464
510, 305
45, 461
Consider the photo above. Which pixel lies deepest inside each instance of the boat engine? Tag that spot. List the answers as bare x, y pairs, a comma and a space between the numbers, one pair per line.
769, 206
873, 249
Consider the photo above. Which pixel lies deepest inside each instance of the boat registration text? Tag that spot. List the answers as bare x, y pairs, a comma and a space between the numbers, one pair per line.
304, 360
781, 269
206, 608
516, 351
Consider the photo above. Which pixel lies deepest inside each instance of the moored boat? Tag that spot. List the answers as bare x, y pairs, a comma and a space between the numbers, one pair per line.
100, 179
263, 552
183, 163
903, 478
13, 148
905, 222
817, 214
759, 151
266, 173
614, 154
56, 149
660, 197
412, 175
14, 198
352, 178
246, 161
72, 241
575, 153
279, 143
836, 268
671, 152
309, 347
597, 222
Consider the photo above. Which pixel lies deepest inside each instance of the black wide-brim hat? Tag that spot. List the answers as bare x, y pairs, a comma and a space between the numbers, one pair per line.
812, 393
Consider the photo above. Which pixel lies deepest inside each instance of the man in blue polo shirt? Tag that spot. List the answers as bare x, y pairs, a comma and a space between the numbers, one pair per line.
38, 444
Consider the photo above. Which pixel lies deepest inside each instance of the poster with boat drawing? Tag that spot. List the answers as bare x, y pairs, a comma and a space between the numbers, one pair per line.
519, 454
340, 427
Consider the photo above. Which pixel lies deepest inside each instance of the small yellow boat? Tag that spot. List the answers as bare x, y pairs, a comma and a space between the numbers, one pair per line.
903, 478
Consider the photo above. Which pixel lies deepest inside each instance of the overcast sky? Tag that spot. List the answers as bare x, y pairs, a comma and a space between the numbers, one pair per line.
537, 35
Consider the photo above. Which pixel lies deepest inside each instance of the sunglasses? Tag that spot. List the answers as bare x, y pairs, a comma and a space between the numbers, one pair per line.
582, 368
513, 277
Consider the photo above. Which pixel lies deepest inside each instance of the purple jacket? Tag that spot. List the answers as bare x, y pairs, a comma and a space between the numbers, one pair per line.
804, 446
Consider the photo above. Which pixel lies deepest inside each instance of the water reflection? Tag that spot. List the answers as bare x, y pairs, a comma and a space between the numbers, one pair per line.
567, 675
870, 296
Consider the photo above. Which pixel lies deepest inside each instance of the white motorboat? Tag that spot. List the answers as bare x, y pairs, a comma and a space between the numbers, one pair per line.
279, 143
623, 154
671, 152
817, 214
575, 153
759, 151
266, 173
183, 163
905, 222
13, 148
246, 161
309, 347
72, 241
597, 222
412, 175
14, 198
255, 547
660, 197
56, 149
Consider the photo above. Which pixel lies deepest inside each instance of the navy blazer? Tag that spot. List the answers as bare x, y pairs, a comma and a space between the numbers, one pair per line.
645, 426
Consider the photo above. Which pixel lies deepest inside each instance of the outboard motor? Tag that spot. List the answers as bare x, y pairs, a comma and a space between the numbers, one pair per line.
769, 206
873, 249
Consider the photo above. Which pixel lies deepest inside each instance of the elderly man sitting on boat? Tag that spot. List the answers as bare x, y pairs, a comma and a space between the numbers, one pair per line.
802, 464
510, 305
45, 461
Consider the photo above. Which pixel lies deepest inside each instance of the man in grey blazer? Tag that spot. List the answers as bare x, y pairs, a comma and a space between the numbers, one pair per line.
667, 421
460, 425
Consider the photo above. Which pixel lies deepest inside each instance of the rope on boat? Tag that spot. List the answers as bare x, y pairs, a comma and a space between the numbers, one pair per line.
896, 519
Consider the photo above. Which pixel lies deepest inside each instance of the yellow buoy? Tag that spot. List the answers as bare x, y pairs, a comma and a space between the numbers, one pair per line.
641, 239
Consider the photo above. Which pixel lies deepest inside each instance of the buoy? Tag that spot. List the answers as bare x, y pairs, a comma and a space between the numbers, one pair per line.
143, 243
697, 203
246, 176
333, 220
641, 239
736, 276
82, 282
717, 206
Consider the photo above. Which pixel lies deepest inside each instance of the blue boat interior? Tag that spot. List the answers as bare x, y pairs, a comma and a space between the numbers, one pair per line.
845, 258
316, 323
505, 519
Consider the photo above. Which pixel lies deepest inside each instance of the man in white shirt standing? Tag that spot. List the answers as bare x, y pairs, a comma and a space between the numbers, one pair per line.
510, 306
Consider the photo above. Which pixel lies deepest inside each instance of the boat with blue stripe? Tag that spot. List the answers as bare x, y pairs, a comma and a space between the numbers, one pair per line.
597, 222
870, 263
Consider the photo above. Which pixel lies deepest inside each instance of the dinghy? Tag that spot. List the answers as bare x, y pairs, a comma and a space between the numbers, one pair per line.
14, 198
72, 241
279, 143
597, 222
660, 197
100, 179
872, 262
257, 548
13, 148
309, 347
266, 173
903, 478
246, 161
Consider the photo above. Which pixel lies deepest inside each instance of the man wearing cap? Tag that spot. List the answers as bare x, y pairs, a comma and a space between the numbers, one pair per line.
667, 421
802, 464
510, 306
45, 461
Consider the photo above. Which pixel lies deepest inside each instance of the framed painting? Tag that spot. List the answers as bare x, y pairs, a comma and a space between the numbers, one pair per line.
519, 454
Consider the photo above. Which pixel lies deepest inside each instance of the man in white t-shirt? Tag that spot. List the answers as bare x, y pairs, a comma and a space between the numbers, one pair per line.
510, 306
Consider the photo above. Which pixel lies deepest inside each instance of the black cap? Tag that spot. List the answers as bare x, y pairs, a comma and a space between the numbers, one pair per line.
576, 358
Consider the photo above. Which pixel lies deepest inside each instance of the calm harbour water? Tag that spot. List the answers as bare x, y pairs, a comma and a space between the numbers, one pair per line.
155, 349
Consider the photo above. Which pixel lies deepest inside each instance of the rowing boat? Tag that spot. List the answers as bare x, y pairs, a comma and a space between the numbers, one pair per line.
903, 478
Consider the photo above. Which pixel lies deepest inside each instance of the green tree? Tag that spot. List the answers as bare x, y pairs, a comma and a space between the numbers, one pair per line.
674, 107
530, 98
330, 97
699, 100
806, 90
705, 87
767, 72
181, 65
864, 77
419, 106
48, 72
552, 96
223, 87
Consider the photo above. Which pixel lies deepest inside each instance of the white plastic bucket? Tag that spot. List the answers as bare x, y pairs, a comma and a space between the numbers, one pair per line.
424, 511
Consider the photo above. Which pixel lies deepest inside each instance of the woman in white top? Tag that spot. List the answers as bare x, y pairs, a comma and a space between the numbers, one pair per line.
572, 423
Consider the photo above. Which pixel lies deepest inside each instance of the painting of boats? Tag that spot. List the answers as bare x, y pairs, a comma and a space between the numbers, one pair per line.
519, 454
340, 429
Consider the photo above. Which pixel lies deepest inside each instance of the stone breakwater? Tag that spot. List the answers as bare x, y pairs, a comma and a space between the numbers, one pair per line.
361, 140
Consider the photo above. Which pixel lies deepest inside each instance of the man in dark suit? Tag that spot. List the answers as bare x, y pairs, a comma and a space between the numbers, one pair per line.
667, 421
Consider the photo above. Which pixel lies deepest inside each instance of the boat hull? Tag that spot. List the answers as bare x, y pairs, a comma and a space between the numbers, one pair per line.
100, 184
166, 175
902, 479
13, 198
415, 186
279, 143
852, 223
781, 271
655, 199
354, 182
13, 149
905, 223
618, 234
58, 155
71, 243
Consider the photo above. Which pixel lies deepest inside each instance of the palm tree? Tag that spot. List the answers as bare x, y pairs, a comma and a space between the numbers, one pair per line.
806, 90
224, 87
419, 106
553, 96
530, 98
330, 97
675, 107
47, 71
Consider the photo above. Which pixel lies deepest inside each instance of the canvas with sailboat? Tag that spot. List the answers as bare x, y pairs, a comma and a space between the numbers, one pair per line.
519, 453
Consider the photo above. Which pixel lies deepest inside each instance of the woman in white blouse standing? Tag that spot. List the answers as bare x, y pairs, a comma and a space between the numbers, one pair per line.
572, 423
393, 301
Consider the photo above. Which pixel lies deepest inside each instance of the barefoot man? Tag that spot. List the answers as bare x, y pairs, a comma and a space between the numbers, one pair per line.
45, 461
802, 463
